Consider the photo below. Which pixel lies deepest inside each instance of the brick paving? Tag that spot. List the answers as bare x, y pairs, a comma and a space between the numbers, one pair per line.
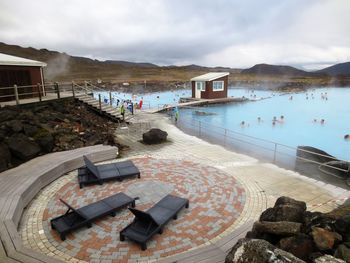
216, 201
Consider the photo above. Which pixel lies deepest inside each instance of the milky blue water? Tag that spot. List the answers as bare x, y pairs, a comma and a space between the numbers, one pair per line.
297, 127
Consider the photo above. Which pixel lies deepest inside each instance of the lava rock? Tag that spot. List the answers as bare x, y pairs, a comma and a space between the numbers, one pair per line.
300, 246
15, 125
328, 259
286, 212
325, 239
6, 115
23, 148
342, 252
259, 251
281, 228
30, 130
45, 140
5, 157
285, 200
154, 136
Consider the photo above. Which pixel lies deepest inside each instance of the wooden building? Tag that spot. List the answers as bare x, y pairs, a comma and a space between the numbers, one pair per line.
21, 72
212, 85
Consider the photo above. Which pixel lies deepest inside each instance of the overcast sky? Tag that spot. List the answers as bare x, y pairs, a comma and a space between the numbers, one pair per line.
234, 33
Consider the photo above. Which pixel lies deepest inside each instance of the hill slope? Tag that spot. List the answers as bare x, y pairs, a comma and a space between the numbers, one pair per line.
337, 69
266, 69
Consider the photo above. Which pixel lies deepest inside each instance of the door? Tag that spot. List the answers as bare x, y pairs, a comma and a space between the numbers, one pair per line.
199, 88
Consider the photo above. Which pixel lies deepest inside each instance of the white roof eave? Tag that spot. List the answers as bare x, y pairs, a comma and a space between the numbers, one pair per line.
8, 60
210, 76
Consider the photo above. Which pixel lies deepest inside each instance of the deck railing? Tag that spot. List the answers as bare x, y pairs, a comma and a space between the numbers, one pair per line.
282, 155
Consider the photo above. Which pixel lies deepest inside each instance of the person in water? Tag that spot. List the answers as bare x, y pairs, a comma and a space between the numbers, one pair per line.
242, 124
322, 121
347, 136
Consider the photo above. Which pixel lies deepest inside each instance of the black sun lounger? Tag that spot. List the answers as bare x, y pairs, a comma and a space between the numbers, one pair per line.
84, 216
92, 174
146, 224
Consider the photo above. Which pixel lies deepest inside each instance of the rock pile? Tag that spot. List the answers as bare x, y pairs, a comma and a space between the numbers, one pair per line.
55, 126
289, 233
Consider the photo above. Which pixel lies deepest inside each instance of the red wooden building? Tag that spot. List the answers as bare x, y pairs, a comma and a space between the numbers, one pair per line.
21, 72
212, 85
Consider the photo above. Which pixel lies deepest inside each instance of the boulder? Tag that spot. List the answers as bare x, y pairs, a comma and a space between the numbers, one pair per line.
6, 115
328, 259
314, 154
45, 140
154, 136
300, 245
22, 147
342, 252
325, 239
30, 130
317, 219
286, 212
5, 157
15, 125
281, 228
285, 200
259, 251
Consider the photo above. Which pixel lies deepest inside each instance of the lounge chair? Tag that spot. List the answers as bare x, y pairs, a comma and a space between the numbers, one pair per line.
92, 174
84, 216
146, 224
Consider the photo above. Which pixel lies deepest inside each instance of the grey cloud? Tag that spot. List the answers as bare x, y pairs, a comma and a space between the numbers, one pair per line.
222, 32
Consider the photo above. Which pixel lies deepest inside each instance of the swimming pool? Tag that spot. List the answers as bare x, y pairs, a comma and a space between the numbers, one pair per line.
297, 127
301, 123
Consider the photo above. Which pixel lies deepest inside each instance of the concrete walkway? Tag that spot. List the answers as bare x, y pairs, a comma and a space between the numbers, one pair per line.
187, 166
264, 181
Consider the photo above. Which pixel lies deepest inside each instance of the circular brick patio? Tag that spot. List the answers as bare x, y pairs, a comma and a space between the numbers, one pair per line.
216, 201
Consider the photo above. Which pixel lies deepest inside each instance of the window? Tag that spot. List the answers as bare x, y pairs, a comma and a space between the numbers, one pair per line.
218, 85
200, 85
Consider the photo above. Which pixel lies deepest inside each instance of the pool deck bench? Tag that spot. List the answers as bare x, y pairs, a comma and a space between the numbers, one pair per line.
18, 186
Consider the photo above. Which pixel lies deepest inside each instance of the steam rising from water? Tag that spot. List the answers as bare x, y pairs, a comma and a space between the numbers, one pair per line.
59, 65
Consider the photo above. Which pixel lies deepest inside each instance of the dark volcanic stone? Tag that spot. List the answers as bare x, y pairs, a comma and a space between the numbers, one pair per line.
154, 136
23, 148
5, 157
15, 125
30, 130
281, 228
6, 115
258, 251
287, 212
325, 239
343, 252
284, 200
300, 246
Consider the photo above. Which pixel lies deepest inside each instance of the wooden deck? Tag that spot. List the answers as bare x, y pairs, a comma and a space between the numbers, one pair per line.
197, 102
19, 186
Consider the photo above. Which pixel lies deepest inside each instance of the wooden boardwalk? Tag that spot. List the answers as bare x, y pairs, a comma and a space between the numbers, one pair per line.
18, 186
194, 103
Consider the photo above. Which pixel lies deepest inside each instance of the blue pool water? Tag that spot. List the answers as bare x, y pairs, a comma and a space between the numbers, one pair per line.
298, 126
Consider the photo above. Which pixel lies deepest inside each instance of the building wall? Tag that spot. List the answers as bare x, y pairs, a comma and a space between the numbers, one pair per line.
193, 89
20, 76
210, 94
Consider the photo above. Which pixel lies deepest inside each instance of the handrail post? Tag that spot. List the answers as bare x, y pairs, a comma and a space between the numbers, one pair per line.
57, 88
225, 137
110, 98
99, 102
199, 129
16, 94
73, 91
39, 92
274, 154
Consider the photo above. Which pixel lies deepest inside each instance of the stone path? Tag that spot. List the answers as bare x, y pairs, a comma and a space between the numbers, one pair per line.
225, 189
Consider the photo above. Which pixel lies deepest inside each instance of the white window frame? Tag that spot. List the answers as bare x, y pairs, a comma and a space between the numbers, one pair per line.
222, 85
202, 85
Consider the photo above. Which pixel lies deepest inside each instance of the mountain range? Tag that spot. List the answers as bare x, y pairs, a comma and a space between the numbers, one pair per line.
62, 66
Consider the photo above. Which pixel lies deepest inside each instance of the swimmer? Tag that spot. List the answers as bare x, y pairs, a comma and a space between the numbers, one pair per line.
315, 120
274, 118
347, 136
273, 123
282, 119
259, 119
242, 124
291, 98
322, 121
